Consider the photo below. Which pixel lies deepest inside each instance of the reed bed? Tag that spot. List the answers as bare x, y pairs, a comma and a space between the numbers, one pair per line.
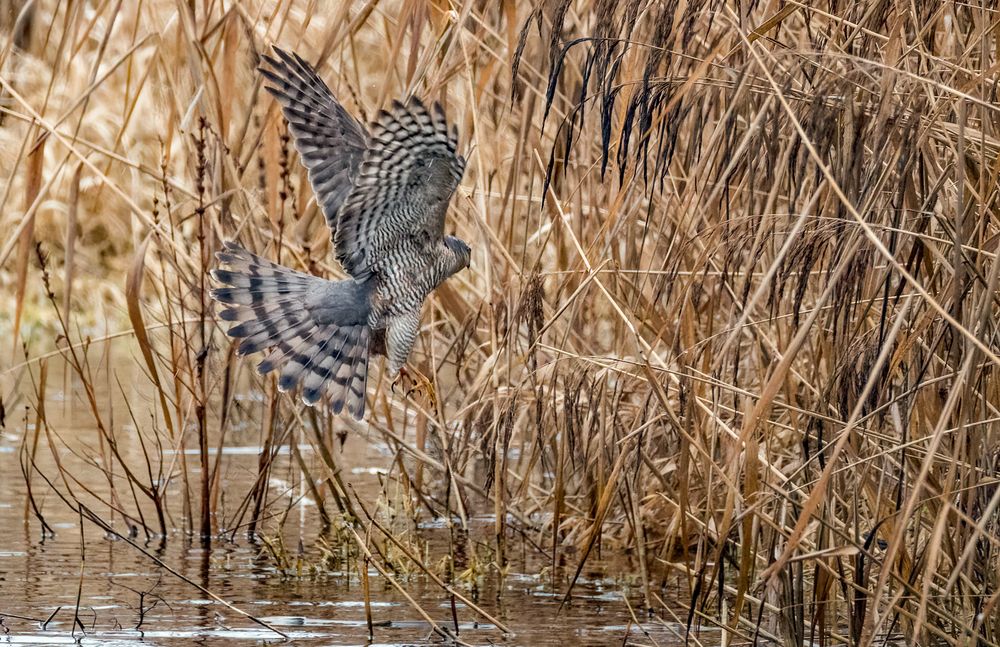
732, 311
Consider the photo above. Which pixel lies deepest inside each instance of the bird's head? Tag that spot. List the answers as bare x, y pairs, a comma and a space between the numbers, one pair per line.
463, 253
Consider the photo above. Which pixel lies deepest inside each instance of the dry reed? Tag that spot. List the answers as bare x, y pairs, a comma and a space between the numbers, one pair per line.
732, 309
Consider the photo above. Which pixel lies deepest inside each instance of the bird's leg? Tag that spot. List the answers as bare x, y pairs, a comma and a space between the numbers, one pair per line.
400, 334
418, 383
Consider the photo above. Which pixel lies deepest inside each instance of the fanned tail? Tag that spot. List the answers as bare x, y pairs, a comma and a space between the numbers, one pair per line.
316, 329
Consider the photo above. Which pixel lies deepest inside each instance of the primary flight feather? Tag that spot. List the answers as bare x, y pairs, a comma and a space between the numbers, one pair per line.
384, 194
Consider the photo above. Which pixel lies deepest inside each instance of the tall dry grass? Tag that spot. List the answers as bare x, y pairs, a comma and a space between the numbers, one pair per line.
732, 308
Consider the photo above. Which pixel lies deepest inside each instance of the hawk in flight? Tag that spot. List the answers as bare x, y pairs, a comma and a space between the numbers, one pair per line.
384, 192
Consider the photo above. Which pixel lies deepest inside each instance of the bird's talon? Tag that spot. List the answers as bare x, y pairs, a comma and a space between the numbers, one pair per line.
419, 383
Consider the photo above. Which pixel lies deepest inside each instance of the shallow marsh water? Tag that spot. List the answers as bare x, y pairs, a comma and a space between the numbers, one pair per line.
41, 578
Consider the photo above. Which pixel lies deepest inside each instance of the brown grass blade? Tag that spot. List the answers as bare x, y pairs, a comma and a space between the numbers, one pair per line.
26, 239
133, 295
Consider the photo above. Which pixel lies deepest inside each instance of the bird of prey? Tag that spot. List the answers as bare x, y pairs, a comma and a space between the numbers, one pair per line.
384, 192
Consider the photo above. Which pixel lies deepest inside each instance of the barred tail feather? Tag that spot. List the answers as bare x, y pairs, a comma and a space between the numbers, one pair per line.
355, 391
341, 371
316, 329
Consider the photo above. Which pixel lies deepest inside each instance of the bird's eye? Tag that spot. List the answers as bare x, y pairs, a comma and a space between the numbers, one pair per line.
419, 162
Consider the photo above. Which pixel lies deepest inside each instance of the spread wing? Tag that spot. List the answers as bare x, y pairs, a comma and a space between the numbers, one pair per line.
406, 179
330, 142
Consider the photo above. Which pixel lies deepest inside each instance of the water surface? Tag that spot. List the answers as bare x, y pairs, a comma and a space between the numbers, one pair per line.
113, 594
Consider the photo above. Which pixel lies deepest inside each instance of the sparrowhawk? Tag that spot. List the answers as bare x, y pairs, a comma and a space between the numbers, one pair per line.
384, 193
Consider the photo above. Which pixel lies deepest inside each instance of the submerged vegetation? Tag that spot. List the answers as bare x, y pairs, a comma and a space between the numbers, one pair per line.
732, 313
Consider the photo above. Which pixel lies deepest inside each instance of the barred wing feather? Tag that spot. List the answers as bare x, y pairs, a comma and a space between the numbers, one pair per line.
380, 209
330, 142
